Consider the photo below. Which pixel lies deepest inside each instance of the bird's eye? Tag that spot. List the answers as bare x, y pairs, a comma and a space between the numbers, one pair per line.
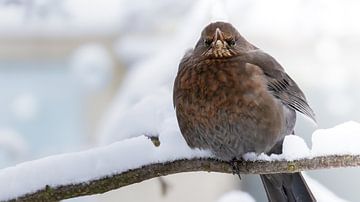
207, 42
231, 42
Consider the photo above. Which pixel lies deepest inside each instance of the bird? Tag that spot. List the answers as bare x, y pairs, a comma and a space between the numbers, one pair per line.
231, 98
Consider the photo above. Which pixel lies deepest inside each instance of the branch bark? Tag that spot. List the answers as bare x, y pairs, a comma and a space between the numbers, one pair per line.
146, 172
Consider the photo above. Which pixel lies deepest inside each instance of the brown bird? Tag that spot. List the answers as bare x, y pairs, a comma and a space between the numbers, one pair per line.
232, 98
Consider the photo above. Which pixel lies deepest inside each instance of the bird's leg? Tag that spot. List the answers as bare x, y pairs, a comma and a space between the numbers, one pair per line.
235, 167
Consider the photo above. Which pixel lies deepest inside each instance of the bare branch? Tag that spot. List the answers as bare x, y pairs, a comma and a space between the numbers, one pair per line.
146, 172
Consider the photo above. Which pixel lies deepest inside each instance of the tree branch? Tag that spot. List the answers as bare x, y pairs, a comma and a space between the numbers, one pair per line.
146, 172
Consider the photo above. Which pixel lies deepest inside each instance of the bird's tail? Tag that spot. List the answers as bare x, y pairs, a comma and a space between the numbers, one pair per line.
286, 187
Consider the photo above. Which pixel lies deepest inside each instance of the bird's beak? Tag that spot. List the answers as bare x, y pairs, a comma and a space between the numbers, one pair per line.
219, 47
218, 35
219, 39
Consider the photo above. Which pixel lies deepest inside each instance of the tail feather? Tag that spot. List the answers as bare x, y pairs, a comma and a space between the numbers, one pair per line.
286, 187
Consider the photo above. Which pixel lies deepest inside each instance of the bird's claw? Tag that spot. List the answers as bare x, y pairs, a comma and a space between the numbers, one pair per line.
235, 167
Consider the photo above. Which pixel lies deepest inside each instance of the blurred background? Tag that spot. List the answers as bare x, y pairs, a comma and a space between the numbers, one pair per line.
75, 74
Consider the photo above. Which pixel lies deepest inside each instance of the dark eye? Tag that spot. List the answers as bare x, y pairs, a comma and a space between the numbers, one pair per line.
207, 42
231, 42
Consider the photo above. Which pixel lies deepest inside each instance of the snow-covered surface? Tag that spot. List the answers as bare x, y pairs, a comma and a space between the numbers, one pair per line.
341, 139
236, 196
138, 151
295, 147
95, 163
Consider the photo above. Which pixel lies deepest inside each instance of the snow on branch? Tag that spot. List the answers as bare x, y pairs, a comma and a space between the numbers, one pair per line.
134, 160
114, 181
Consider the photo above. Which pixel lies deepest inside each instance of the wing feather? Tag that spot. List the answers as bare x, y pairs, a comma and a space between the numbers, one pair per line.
280, 84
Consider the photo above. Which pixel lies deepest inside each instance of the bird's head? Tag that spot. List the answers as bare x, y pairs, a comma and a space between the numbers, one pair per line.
221, 40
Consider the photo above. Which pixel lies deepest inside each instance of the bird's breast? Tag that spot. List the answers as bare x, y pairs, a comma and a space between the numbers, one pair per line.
224, 102
222, 83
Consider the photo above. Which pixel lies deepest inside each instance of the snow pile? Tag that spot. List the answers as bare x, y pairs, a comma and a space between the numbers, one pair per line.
294, 147
341, 139
236, 196
153, 110
95, 163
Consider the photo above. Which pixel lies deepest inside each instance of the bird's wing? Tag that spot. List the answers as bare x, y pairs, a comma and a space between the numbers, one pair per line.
184, 61
280, 84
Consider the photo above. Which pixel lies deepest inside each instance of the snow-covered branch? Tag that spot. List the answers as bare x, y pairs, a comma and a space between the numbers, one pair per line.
117, 180
134, 160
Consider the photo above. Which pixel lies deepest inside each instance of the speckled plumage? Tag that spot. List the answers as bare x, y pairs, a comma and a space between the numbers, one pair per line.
224, 105
232, 98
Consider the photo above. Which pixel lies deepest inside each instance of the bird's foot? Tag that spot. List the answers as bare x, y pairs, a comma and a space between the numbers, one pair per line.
235, 167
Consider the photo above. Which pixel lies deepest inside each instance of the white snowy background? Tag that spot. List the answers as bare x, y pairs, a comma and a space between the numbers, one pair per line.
76, 74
